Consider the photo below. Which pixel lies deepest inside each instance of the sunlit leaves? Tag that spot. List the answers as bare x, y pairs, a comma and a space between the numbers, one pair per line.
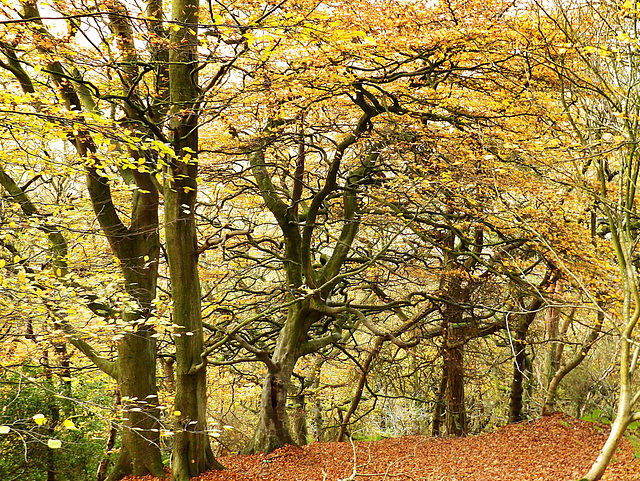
40, 419
54, 443
69, 424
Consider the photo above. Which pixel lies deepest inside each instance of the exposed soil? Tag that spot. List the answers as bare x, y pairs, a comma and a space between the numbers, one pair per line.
555, 448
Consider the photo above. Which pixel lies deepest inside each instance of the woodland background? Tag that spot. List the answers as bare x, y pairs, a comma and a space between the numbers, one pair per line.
235, 225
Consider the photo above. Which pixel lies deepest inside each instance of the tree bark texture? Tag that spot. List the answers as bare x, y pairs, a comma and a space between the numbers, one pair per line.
456, 411
273, 430
455, 292
192, 454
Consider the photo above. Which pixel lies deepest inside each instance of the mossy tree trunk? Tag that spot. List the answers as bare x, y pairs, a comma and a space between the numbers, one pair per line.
455, 292
273, 430
192, 454
308, 286
137, 247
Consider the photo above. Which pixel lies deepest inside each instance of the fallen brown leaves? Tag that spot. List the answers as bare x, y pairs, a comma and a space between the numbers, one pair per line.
555, 448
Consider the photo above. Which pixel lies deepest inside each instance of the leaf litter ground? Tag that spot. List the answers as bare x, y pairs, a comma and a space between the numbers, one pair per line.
554, 448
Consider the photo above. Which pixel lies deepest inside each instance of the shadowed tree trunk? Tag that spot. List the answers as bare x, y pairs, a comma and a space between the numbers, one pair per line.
455, 291
438, 405
456, 412
520, 365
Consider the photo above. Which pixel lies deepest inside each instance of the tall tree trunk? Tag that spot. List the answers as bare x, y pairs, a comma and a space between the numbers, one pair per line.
138, 249
136, 362
192, 454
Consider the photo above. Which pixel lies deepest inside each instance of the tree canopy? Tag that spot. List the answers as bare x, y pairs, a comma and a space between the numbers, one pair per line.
251, 224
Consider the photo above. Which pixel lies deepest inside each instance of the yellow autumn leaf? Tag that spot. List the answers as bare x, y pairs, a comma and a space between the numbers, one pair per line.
68, 423
4, 429
40, 419
54, 443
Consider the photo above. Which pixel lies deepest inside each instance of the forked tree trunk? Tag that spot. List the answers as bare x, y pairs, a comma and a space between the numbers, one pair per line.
273, 429
579, 355
134, 369
137, 249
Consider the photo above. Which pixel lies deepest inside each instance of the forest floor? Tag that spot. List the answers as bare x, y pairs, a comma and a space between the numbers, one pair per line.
554, 448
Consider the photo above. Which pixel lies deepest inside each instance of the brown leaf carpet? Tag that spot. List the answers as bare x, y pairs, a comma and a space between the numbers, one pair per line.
555, 448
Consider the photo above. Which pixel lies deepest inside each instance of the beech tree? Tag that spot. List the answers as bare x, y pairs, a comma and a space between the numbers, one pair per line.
147, 88
323, 181
349, 177
136, 246
595, 59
